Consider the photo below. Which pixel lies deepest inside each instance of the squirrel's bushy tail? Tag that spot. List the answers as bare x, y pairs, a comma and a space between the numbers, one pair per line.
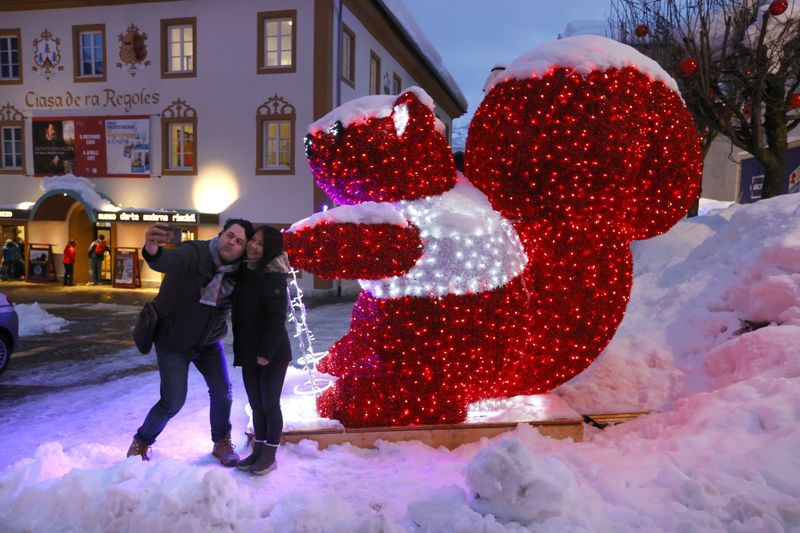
611, 150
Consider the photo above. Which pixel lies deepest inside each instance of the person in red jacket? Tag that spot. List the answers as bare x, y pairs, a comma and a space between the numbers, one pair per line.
69, 263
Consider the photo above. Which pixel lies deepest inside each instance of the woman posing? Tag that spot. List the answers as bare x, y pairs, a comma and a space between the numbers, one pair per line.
261, 343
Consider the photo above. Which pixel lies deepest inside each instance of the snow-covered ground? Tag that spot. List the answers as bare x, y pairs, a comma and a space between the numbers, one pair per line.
710, 344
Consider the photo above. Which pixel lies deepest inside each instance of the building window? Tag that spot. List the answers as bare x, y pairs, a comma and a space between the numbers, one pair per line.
89, 52
277, 41
397, 84
374, 73
10, 57
12, 147
179, 139
275, 120
349, 56
179, 48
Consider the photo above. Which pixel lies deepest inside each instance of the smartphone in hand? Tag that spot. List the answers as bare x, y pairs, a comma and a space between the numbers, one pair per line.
175, 234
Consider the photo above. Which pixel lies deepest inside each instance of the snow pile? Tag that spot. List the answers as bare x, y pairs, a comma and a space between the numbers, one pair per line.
508, 481
710, 338
695, 290
82, 186
363, 213
583, 54
33, 320
707, 206
360, 110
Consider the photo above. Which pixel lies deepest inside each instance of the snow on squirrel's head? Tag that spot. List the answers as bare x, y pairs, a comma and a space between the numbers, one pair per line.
381, 149
586, 132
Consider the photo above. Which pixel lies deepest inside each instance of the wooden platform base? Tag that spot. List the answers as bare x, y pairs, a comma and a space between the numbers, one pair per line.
448, 436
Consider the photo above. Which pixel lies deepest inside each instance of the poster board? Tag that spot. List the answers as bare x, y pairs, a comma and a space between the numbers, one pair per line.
125, 268
41, 267
107, 146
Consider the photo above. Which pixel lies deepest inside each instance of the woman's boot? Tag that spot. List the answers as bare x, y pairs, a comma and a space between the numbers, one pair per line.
266, 461
245, 463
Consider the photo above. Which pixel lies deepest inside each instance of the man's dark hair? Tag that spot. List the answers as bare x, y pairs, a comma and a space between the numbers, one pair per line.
245, 224
102, 237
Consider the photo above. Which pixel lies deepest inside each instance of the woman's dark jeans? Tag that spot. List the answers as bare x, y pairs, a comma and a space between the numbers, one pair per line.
263, 385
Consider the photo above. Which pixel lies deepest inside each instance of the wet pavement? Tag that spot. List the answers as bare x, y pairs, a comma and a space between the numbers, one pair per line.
101, 320
27, 293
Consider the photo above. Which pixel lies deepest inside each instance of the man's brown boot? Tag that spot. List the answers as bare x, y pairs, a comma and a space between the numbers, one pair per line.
225, 451
137, 448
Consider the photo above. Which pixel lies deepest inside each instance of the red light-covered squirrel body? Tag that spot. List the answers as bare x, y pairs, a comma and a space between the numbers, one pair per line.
510, 280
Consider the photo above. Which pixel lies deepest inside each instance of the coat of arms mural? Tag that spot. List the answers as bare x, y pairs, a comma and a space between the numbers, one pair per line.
133, 50
47, 54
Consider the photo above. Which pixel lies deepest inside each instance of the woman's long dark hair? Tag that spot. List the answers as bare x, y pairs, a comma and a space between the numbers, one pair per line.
273, 246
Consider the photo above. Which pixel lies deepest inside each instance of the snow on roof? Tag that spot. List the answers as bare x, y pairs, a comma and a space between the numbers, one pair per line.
367, 107
583, 54
586, 27
398, 11
82, 187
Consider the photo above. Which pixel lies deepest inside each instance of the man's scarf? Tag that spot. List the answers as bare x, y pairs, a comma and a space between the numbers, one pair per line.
217, 292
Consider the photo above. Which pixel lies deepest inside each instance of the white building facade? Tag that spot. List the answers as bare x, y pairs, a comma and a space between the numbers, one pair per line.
188, 111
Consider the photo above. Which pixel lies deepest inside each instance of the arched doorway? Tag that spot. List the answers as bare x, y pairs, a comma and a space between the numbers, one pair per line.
79, 222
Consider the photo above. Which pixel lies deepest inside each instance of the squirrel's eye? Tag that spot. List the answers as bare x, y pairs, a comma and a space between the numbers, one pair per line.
337, 129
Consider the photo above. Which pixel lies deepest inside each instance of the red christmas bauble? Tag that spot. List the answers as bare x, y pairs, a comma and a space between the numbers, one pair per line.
794, 100
777, 7
641, 30
687, 67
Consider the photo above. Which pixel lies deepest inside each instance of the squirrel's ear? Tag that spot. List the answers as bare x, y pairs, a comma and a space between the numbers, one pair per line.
411, 115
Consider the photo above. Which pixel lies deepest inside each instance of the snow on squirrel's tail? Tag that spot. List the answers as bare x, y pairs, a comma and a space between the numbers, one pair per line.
585, 145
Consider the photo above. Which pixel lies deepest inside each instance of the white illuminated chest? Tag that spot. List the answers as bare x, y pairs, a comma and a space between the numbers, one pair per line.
468, 247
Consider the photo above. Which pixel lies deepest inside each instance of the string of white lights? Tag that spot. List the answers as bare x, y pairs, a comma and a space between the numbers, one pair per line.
297, 313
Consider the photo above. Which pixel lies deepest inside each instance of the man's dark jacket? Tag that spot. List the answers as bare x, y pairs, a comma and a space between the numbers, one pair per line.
183, 321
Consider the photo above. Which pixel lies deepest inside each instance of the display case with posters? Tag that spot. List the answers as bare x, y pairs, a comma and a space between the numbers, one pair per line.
126, 268
41, 266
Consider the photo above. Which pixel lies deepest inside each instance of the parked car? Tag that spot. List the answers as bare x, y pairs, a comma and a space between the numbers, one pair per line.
9, 330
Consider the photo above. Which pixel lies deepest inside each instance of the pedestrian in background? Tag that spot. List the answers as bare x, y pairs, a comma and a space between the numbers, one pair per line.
97, 253
12, 258
69, 263
261, 343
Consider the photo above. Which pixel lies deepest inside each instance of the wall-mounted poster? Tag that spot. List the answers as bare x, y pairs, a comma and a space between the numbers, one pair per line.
41, 267
92, 147
53, 146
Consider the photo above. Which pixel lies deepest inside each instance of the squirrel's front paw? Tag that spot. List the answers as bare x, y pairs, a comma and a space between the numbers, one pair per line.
354, 251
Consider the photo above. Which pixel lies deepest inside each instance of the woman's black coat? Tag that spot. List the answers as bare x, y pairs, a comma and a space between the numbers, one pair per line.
259, 318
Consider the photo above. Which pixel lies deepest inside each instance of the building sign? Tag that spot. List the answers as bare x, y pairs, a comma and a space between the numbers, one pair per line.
147, 217
92, 146
106, 98
14, 214
752, 177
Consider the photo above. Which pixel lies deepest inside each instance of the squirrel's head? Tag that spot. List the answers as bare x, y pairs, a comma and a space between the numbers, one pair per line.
380, 149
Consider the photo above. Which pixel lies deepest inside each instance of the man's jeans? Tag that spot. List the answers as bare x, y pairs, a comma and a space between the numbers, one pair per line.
173, 366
